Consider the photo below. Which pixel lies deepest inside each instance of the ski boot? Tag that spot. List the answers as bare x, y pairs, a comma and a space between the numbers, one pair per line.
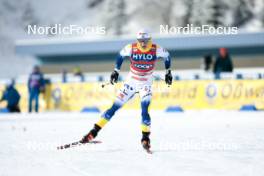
145, 141
91, 135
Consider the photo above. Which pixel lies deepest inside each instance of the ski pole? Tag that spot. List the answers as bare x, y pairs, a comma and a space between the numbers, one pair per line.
105, 84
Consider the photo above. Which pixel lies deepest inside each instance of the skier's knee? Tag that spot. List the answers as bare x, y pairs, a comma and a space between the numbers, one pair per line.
110, 112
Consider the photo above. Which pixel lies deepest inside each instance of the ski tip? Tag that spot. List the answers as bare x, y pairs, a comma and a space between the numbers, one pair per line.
60, 147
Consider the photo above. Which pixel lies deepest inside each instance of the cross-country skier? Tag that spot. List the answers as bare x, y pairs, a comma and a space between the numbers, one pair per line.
143, 55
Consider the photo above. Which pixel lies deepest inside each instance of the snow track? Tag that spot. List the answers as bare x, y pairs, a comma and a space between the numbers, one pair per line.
190, 143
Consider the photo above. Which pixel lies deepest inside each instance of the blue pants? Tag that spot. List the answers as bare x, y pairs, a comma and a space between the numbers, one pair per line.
34, 96
145, 117
126, 94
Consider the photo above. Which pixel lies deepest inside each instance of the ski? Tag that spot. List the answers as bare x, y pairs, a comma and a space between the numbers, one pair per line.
77, 143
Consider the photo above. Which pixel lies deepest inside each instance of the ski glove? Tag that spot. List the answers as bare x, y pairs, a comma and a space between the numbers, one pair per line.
114, 77
168, 77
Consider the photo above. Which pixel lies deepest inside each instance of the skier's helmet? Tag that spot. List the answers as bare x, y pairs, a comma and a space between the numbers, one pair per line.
143, 34
143, 37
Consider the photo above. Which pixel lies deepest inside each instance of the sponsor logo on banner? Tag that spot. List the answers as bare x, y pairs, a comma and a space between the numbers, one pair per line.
195, 94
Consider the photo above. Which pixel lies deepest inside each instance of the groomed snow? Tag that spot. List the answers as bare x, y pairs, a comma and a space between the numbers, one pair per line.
186, 144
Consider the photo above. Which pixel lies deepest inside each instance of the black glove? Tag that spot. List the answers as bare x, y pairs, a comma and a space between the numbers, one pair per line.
114, 77
168, 77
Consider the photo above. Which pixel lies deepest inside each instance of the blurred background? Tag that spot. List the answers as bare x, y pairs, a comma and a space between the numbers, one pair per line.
74, 66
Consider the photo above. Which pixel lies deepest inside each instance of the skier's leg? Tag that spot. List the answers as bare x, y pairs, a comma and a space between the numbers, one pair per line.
146, 120
146, 96
125, 94
109, 113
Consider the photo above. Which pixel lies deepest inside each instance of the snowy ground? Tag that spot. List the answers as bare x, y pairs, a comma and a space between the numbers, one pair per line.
191, 143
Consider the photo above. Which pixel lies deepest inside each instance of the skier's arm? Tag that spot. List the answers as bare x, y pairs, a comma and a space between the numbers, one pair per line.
162, 53
119, 61
167, 62
125, 52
